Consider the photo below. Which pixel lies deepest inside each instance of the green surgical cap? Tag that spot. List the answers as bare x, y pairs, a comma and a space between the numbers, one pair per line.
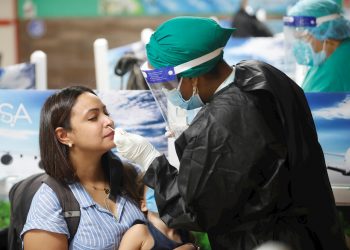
315, 8
183, 39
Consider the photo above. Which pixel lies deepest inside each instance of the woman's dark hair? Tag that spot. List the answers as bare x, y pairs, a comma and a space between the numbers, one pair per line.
132, 182
56, 112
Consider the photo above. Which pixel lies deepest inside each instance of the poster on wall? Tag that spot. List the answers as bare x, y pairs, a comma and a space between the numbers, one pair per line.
331, 113
19, 125
18, 76
134, 111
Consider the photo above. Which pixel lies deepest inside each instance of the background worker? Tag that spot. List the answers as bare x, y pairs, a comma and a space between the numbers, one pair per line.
319, 36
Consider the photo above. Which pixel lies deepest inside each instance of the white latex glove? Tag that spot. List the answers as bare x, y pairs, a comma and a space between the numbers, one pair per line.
135, 148
168, 132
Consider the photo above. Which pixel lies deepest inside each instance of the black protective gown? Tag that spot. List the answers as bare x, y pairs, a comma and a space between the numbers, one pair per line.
251, 169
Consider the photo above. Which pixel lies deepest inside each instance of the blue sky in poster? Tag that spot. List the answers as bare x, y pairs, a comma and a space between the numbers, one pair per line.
331, 114
18, 76
19, 119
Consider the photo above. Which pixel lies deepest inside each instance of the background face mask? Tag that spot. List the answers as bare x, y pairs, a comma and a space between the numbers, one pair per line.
305, 55
319, 57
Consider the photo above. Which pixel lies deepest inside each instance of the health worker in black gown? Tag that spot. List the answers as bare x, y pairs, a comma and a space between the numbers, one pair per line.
251, 167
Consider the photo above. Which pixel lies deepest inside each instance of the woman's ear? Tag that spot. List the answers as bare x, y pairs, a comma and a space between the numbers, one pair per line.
143, 206
62, 136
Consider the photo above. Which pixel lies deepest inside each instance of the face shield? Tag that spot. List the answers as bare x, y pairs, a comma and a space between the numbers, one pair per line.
298, 31
165, 83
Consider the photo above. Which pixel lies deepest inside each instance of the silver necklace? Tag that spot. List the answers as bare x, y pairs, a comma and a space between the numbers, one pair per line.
107, 192
105, 189
114, 214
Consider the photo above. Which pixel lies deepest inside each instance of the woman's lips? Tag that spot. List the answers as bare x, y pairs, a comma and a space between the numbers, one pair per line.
111, 134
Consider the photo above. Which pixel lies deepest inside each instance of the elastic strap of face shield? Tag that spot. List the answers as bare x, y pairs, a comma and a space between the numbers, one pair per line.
324, 19
198, 61
190, 64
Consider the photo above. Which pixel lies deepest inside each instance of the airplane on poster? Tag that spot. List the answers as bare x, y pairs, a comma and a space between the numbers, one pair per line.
15, 166
344, 169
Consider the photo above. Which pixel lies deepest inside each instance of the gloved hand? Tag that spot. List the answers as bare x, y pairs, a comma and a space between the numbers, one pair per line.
135, 148
168, 132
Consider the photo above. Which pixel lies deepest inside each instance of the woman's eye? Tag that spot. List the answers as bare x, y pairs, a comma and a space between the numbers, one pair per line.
92, 118
106, 113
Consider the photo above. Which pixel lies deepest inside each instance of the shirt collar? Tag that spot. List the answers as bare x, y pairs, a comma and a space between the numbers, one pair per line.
82, 195
228, 81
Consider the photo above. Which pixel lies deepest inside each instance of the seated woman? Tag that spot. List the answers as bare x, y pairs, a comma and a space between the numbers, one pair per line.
76, 136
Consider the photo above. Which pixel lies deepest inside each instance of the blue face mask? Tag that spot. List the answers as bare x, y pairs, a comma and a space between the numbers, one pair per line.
151, 201
319, 57
305, 55
175, 97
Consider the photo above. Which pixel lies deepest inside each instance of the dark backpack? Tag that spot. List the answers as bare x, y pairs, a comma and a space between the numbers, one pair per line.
21, 195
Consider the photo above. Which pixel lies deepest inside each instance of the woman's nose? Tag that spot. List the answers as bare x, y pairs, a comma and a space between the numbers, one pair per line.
109, 121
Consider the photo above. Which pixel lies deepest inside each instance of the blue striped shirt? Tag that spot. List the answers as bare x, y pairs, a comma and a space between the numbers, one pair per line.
98, 228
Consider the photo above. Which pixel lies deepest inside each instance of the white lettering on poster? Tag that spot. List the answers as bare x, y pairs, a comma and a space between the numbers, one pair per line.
10, 114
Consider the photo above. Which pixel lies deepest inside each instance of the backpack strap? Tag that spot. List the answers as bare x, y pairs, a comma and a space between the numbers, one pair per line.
20, 197
70, 205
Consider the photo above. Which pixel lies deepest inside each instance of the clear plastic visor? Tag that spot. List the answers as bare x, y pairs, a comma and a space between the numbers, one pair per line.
293, 34
165, 79
160, 81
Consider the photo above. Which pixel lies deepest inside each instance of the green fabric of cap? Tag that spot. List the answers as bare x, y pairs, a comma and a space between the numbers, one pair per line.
315, 8
183, 39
